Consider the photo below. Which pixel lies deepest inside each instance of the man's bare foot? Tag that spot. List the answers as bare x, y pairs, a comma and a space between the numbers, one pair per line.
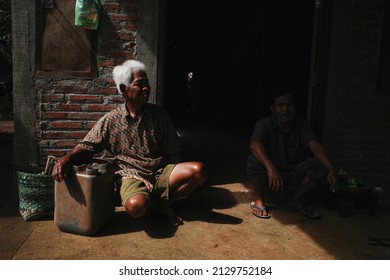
173, 218
259, 211
166, 209
303, 208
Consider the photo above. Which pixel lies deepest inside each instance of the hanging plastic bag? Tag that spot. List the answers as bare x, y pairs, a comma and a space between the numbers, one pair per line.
87, 14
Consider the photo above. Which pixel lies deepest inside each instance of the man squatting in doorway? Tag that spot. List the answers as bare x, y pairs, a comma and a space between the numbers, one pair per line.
278, 148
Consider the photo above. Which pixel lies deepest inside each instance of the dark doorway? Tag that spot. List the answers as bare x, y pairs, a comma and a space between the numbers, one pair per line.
237, 53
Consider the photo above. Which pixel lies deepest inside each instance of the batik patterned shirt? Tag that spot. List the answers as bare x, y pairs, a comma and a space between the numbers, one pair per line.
140, 147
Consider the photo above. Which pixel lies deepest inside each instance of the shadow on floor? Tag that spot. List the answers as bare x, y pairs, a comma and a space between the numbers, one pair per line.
156, 226
215, 219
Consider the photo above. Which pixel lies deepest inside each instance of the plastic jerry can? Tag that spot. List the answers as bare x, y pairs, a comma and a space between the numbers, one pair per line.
84, 200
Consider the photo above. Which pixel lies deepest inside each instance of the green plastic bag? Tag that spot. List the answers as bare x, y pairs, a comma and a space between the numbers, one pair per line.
87, 14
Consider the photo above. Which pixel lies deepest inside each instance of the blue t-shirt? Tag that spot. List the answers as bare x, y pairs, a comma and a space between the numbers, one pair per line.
285, 149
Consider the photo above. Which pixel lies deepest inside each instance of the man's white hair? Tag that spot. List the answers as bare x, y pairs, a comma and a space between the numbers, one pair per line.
123, 74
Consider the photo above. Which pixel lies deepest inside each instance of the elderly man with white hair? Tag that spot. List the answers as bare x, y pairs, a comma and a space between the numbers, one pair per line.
145, 145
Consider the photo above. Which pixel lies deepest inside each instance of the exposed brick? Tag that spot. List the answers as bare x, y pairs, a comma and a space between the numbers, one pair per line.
126, 37
106, 63
55, 135
85, 116
66, 143
67, 107
106, 91
53, 115
111, 81
53, 97
74, 89
120, 54
66, 125
70, 107
122, 17
78, 134
94, 107
131, 27
85, 98
117, 99
111, 7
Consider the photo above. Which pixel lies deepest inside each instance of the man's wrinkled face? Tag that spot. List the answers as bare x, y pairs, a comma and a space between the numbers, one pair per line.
138, 91
284, 108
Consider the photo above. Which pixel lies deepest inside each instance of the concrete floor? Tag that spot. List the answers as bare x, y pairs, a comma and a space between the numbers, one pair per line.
218, 222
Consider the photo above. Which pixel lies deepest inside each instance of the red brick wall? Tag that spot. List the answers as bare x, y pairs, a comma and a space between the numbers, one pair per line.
68, 108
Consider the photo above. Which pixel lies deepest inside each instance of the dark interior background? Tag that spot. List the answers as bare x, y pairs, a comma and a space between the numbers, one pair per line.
238, 53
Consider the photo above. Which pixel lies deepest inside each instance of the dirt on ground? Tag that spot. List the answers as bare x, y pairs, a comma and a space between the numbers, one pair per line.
218, 225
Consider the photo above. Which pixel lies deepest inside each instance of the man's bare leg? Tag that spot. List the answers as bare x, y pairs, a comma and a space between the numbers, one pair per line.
165, 208
299, 202
258, 184
136, 205
305, 187
184, 179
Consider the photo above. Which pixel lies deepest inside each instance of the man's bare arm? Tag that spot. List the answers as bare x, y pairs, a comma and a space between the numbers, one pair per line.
274, 178
320, 153
77, 155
